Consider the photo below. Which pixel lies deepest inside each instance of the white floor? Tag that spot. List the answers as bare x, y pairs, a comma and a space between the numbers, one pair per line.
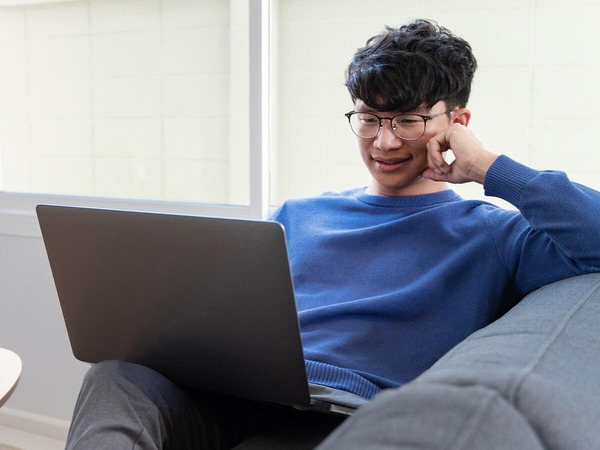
28, 441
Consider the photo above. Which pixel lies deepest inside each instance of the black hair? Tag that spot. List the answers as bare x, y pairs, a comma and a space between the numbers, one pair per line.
410, 67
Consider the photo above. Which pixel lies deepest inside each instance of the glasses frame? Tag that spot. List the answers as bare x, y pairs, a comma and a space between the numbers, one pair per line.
425, 118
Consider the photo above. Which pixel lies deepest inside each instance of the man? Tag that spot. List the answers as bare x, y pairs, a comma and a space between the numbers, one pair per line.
389, 277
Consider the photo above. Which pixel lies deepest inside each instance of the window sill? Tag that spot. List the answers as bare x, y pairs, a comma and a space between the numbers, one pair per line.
18, 217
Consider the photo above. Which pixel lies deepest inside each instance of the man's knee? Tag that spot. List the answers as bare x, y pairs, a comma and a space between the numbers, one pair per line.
110, 370
136, 379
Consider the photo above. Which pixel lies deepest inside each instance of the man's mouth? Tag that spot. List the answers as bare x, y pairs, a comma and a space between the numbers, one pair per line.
389, 164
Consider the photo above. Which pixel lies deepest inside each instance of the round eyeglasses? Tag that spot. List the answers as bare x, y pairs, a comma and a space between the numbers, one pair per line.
408, 127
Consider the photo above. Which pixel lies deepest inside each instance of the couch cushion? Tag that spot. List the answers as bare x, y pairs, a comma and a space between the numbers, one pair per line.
435, 416
529, 380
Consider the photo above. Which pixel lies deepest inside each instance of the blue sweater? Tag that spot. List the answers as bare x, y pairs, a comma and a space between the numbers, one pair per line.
386, 285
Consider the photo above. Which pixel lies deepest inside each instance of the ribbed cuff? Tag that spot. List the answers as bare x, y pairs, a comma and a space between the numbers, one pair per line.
506, 179
338, 378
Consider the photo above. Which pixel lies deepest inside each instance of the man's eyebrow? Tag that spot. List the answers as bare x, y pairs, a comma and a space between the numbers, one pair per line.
419, 111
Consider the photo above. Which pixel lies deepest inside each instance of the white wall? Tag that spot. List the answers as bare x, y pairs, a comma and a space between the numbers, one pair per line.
31, 324
535, 95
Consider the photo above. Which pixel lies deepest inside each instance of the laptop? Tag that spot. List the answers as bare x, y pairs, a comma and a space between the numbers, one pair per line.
208, 302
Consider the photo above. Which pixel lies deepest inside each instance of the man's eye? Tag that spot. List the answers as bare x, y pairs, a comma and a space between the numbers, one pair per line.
369, 119
407, 121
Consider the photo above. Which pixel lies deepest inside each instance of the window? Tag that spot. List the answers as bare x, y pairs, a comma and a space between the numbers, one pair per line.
179, 104
127, 99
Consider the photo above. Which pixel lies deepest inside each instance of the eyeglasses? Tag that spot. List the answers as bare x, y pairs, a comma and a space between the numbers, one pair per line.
408, 127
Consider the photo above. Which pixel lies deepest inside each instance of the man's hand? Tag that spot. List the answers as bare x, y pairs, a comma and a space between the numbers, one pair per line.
471, 162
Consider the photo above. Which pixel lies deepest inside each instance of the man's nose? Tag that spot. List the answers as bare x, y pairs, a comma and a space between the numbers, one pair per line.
386, 138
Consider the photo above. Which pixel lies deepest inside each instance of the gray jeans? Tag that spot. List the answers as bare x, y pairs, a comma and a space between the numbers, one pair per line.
128, 406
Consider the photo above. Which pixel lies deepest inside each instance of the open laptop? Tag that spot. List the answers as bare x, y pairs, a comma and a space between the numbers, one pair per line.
207, 302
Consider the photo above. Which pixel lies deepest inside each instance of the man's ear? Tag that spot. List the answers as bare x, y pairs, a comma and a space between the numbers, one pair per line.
462, 116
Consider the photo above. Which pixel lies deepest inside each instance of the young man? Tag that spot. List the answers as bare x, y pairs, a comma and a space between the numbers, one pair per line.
389, 277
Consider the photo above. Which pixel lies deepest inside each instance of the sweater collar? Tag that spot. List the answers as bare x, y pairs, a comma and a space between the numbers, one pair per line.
406, 202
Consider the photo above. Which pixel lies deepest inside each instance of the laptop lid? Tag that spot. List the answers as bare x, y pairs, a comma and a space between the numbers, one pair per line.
208, 302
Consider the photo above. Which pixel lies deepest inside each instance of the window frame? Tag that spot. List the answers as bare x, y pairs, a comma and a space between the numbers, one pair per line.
17, 210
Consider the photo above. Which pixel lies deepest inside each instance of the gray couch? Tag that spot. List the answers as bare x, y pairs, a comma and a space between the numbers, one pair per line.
530, 380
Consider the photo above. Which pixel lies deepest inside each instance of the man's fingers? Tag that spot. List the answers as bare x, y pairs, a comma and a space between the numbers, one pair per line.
435, 157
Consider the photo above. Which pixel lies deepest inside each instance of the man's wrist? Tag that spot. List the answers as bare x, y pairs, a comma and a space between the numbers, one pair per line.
480, 168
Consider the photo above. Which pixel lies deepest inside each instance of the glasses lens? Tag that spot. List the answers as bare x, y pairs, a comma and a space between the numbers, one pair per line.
409, 126
364, 125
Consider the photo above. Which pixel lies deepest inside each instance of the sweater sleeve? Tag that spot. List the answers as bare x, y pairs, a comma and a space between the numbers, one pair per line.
557, 234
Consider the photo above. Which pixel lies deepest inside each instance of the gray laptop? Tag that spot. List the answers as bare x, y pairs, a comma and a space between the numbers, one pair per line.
208, 302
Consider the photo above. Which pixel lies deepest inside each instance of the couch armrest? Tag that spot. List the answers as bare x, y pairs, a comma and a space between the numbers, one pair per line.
529, 380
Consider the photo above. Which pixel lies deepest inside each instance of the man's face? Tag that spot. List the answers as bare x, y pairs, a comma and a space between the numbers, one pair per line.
395, 164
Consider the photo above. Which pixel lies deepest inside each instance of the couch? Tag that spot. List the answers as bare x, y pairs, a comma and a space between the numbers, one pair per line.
530, 380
